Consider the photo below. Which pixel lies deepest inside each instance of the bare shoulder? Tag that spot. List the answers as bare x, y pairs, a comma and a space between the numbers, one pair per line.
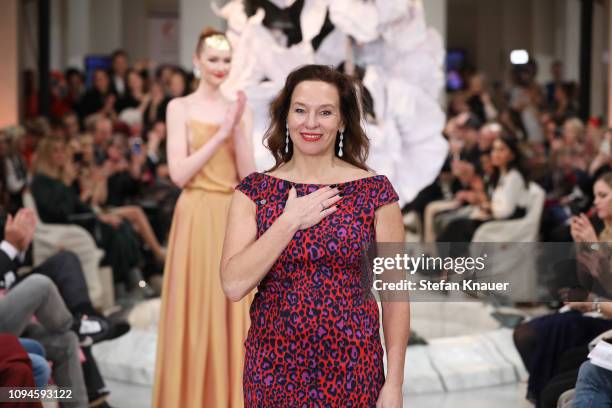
352, 172
178, 105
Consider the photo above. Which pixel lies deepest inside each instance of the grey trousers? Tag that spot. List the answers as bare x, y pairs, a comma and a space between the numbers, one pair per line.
38, 296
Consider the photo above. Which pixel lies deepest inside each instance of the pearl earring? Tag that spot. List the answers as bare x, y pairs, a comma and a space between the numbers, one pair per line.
287, 139
341, 144
196, 72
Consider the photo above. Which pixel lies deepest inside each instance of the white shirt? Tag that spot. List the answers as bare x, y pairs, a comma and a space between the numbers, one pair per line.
12, 253
509, 194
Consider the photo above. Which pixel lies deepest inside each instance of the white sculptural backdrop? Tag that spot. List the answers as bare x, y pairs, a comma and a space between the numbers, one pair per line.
403, 61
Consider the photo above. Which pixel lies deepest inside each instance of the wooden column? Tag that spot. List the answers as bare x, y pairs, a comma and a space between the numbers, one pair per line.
9, 63
610, 63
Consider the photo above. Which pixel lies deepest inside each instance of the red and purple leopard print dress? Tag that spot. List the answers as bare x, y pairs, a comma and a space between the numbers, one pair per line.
314, 337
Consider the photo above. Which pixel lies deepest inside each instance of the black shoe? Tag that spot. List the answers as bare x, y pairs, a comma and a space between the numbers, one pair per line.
95, 327
118, 326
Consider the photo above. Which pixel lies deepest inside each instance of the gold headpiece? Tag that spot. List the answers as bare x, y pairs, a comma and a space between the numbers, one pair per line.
218, 42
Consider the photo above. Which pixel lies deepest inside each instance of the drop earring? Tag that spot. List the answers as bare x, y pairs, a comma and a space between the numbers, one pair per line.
287, 139
196, 72
341, 144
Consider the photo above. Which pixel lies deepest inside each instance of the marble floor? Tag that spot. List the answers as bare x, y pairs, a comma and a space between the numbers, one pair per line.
468, 362
126, 395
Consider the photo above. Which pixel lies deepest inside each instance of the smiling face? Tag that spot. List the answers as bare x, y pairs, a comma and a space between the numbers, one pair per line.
314, 118
603, 199
214, 64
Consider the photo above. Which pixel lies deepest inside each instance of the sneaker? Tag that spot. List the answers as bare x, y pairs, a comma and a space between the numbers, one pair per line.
95, 327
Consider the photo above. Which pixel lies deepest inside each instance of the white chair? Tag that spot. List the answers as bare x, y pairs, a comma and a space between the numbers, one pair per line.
525, 229
52, 238
509, 257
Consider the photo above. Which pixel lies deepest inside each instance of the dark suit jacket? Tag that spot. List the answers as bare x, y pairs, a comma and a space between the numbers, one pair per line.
6, 265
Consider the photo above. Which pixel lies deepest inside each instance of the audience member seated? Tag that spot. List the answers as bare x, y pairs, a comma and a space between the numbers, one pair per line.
439, 214
479, 99
155, 109
159, 189
603, 159
563, 106
508, 198
124, 168
120, 184
573, 139
100, 100
120, 65
488, 133
58, 202
556, 73
102, 131
163, 76
38, 296
15, 369
547, 342
72, 128
75, 87
567, 192
593, 387
38, 356
65, 273
136, 93
525, 101
64, 269
178, 84
13, 172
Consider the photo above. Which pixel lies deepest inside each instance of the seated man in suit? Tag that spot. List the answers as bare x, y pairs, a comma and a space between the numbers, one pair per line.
38, 296
65, 272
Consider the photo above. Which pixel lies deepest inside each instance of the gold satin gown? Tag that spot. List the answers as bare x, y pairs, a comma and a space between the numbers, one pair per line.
200, 351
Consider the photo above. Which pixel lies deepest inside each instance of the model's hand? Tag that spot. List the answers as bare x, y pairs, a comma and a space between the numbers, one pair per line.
233, 116
390, 397
306, 211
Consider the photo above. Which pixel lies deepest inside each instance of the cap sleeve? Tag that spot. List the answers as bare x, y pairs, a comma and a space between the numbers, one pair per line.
383, 192
249, 186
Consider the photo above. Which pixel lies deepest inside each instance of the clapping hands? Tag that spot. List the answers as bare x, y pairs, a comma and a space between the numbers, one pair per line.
234, 113
19, 231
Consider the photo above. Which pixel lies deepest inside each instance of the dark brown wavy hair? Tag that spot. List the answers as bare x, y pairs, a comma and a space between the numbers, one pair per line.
355, 145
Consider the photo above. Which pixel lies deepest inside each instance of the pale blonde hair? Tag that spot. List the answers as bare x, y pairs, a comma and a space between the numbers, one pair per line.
577, 126
43, 160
